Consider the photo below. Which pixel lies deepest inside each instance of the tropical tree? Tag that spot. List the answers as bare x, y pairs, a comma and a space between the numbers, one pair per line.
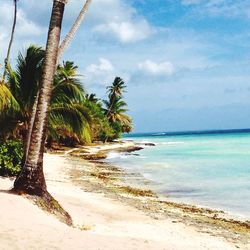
73, 30
23, 84
61, 49
117, 88
100, 127
6, 61
6, 98
67, 115
31, 179
92, 98
116, 108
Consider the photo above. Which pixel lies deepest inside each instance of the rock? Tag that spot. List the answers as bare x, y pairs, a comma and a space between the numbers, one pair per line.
149, 144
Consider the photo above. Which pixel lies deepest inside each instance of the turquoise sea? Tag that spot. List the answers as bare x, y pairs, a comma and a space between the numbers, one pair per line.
210, 169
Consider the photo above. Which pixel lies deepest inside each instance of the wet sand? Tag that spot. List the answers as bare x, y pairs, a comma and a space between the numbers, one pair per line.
109, 214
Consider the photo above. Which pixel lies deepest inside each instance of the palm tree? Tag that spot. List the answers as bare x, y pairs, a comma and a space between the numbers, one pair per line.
6, 98
61, 49
24, 83
116, 108
92, 98
116, 111
6, 61
73, 30
117, 88
99, 127
31, 179
67, 115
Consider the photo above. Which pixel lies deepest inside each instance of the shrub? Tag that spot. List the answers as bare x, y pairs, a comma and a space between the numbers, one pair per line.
11, 154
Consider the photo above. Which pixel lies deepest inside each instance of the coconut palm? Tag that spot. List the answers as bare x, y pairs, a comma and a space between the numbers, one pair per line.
61, 49
92, 98
116, 108
31, 179
116, 111
73, 29
99, 127
67, 115
23, 85
11, 40
117, 88
6, 98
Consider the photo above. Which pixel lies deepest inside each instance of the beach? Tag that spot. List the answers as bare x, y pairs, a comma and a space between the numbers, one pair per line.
106, 216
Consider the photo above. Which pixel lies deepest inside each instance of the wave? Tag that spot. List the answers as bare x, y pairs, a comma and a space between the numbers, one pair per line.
159, 134
147, 175
171, 143
145, 143
114, 155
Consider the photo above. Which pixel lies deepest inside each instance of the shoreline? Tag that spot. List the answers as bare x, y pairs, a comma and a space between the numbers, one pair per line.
109, 214
158, 207
197, 214
97, 153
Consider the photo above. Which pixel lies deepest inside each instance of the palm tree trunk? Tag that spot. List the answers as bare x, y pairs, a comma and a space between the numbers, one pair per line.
62, 48
6, 61
31, 179
73, 29
30, 127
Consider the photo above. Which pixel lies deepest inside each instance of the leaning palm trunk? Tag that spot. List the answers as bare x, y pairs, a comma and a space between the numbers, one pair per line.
62, 48
73, 29
31, 179
30, 127
6, 61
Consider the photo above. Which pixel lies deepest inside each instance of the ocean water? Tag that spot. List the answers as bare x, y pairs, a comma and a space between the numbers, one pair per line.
210, 170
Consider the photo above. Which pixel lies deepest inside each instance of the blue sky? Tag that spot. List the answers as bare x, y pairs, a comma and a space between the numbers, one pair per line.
186, 62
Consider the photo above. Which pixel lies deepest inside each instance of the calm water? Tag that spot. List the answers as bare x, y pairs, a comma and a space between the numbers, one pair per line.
209, 170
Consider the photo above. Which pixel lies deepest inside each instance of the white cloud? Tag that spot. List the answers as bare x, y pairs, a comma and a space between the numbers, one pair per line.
26, 29
24, 26
126, 31
153, 68
103, 66
100, 73
120, 20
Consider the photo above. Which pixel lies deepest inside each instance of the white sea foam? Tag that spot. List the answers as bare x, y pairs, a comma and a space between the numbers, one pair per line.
171, 143
147, 175
161, 133
114, 155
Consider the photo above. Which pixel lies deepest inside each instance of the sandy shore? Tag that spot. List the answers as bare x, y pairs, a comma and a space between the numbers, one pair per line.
102, 219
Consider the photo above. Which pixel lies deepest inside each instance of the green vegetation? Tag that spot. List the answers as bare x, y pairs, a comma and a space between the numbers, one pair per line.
116, 108
11, 155
67, 117
75, 117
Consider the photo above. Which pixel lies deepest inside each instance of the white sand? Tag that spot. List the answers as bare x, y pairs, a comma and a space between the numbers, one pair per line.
111, 225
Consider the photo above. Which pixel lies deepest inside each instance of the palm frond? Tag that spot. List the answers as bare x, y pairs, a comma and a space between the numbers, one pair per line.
7, 100
73, 116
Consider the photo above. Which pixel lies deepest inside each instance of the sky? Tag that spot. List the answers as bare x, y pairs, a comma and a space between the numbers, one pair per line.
186, 63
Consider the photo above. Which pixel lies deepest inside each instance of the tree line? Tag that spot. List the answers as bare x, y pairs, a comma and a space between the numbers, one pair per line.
74, 115
43, 102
